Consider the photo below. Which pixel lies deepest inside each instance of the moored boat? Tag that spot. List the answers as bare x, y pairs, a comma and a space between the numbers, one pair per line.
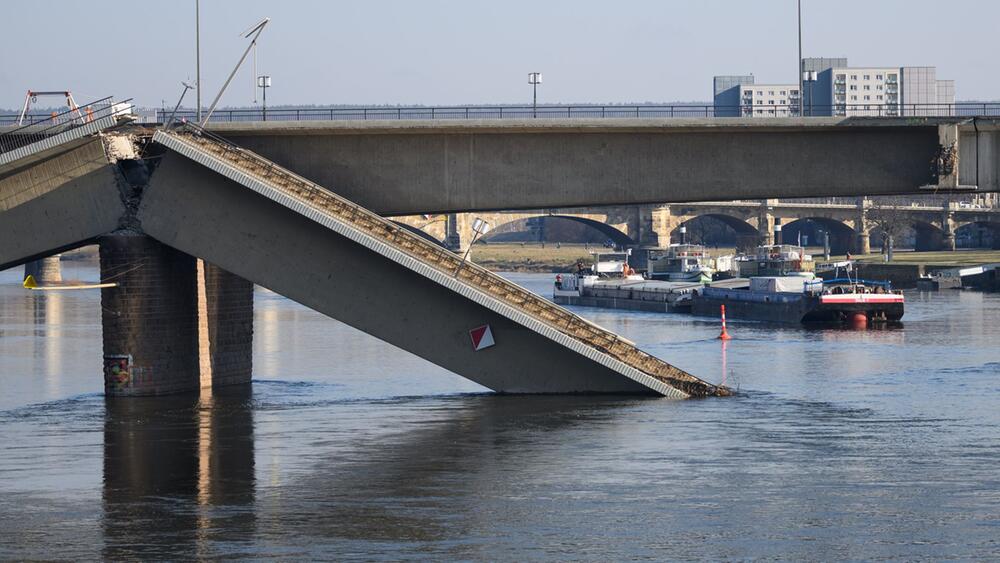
680, 263
799, 299
776, 260
611, 283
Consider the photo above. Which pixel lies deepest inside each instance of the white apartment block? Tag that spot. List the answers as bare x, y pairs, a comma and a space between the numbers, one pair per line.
871, 91
832, 88
769, 100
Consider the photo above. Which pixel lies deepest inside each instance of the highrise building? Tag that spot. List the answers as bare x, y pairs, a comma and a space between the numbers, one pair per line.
739, 95
727, 94
832, 88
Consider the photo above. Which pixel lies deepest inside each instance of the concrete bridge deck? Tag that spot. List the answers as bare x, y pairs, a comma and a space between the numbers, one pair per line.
412, 167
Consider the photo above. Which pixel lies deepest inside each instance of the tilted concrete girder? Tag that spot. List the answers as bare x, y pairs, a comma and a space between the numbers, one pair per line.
68, 197
291, 236
412, 167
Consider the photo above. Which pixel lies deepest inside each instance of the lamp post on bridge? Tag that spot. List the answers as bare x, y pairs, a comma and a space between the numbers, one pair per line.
264, 82
809, 76
534, 78
801, 66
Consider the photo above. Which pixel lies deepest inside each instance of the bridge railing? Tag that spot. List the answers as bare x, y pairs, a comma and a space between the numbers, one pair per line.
969, 109
54, 124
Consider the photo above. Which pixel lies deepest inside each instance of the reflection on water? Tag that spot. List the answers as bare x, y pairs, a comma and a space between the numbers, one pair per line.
178, 474
844, 445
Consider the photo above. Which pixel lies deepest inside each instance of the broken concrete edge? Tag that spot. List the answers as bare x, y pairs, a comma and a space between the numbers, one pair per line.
125, 156
684, 389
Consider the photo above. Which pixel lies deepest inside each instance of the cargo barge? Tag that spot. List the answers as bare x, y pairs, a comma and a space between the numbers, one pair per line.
794, 299
611, 283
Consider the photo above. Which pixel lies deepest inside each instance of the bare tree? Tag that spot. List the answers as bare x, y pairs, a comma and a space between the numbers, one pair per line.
890, 223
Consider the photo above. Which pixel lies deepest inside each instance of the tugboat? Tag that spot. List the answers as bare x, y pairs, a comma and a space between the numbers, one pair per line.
612, 283
794, 295
680, 263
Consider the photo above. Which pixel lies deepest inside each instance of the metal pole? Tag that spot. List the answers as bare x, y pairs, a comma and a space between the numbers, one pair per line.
258, 29
170, 121
811, 82
265, 99
197, 54
534, 98
801, 93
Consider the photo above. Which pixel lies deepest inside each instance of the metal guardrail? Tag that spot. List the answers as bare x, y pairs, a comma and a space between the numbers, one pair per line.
582, 111
447, 262
962, 109
55, 124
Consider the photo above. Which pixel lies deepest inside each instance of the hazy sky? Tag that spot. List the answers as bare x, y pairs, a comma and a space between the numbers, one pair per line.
468, 52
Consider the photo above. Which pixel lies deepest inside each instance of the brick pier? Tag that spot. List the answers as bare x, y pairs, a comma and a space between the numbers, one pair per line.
173, 323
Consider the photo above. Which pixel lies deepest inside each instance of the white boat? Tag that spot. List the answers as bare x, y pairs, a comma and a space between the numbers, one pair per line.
680, 262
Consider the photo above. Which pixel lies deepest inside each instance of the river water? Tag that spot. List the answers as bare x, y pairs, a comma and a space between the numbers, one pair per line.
842, 445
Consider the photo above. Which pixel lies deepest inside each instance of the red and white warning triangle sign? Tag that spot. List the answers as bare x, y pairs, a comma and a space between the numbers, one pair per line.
482, 337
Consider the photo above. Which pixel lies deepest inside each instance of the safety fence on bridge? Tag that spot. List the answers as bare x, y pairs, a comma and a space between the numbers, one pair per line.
62, 127
582, 111
590, 112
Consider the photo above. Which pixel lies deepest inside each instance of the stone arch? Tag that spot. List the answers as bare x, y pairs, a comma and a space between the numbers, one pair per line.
540, 226
421, 233
978, 234
842, 236
746, 235
927, 236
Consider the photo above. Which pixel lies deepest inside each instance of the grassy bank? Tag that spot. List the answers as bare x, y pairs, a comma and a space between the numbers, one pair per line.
531, 257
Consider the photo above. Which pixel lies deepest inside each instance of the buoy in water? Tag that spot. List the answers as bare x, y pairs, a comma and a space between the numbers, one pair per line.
859, 320
724, 335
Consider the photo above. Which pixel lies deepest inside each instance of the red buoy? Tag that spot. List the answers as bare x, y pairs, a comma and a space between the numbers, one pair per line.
859, 320
724, 335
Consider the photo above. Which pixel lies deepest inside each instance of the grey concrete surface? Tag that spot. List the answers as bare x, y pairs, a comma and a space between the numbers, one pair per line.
197, 211
410, 167
57, 203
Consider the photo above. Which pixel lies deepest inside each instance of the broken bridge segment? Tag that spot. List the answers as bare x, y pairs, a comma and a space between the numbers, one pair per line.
559, 351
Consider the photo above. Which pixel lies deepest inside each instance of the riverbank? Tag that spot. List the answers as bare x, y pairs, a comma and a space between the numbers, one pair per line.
563, 258
907, 266
532, 257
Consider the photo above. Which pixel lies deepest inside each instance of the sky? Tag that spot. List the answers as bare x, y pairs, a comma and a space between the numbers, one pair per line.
451, 52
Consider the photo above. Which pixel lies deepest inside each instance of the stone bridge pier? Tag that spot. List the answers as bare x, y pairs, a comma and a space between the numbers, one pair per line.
174, 323
862, 230
949, 225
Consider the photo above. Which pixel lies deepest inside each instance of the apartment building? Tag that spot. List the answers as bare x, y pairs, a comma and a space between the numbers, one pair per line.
833, 88
769, 100
740, 96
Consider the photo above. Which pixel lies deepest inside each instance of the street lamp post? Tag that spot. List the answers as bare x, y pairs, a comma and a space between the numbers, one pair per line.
197, 56
800, 58
534, 78
264, 82
809, 76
